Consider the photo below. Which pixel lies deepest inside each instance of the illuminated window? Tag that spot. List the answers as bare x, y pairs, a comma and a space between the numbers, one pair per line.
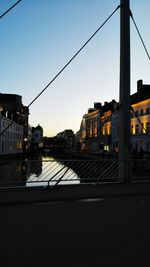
106, 148
131, 129
103, 130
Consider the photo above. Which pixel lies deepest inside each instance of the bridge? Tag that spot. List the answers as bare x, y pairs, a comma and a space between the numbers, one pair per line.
101, 221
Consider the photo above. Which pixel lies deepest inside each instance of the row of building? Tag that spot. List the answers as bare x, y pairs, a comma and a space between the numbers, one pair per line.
16, 135
99, 130
100, 126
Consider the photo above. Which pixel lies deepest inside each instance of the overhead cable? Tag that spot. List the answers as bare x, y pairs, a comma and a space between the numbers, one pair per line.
67, 62
1, 16
140, 36
73, 56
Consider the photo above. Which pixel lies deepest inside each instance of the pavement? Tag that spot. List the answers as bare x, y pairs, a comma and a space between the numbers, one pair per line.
88, 232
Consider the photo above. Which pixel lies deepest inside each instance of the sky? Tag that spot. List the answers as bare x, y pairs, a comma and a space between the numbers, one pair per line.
38, 37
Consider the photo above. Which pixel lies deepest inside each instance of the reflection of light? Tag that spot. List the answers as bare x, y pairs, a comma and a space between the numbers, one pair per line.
25, 139
1, 108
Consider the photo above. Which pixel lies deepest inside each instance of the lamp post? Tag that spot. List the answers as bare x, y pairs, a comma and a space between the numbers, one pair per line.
124, 99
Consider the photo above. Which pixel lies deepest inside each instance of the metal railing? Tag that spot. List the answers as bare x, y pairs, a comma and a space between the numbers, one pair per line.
58, 172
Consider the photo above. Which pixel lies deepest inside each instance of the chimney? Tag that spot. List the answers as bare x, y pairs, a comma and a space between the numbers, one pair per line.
139, 86
97, 105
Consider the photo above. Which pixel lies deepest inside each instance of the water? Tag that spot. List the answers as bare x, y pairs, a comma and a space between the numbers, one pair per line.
42, 172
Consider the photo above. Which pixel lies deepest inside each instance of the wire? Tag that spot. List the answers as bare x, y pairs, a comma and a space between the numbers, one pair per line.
67, 62
145, 130
9, 9
73, 57
140, 35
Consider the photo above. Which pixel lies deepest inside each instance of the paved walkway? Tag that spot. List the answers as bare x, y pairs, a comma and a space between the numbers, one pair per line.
109, 231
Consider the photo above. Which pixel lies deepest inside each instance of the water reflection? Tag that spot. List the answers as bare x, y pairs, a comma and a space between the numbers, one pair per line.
36, 172
53, 172
12, 173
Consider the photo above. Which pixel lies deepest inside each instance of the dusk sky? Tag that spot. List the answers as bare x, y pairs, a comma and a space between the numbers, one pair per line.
38, 37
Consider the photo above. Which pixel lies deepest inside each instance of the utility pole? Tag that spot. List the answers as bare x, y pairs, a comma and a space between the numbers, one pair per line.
124, 99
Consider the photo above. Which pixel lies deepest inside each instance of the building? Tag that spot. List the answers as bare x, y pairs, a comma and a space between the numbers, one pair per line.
66, 138
12, 108
11, 140
37, 137
106, 125
140, 118
90, 129
100, 127
95, 130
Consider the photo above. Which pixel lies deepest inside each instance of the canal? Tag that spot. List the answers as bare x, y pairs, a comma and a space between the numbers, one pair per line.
41, 171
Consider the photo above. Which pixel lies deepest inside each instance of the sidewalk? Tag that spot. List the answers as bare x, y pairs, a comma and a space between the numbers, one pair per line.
109, 231
71, 192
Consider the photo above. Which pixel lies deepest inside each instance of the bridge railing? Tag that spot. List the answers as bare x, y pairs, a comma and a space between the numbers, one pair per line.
58, 172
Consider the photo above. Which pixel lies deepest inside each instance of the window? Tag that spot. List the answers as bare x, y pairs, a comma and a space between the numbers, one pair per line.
142, 128
147, 127
141, 112
131, 115
131, 129
147, 147
147, 110
136, 128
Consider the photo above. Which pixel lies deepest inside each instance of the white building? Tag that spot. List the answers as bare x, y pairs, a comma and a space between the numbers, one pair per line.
37, 137
11, 140
139, 123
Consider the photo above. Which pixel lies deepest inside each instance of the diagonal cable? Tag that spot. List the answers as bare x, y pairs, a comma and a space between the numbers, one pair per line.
140, 36
147, 133
74, 56
68, 62
1, 16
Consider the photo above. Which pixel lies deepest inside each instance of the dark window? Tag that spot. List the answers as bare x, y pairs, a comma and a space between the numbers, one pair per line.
136, 128
142, 128
147, 110
147, 146
141, 112
147, 127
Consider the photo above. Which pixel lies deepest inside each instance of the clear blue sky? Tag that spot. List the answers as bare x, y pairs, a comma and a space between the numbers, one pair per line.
38, 37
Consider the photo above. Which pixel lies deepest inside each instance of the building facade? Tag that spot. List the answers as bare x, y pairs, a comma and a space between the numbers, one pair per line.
37, 137
90, 129
104, 124
12, 108
11, 140
66, 138
140, 118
